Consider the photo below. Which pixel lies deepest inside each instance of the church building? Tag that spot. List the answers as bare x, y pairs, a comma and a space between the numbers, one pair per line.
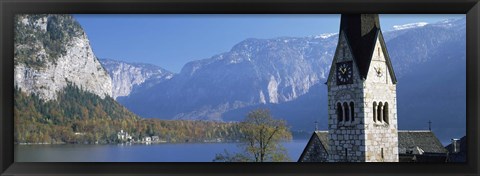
362, 99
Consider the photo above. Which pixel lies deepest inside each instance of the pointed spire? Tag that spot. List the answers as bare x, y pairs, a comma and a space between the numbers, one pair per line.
429, 125
361, 32
359, 25
316, 125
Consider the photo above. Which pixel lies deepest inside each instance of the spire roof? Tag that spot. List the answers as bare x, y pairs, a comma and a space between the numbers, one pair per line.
362, 31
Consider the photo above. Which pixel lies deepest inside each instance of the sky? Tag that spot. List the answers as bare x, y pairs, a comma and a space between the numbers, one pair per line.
172, 40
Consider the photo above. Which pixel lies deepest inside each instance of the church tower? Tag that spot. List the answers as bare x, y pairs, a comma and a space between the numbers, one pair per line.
362, 106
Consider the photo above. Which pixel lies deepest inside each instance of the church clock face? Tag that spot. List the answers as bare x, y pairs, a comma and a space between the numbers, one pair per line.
344, 73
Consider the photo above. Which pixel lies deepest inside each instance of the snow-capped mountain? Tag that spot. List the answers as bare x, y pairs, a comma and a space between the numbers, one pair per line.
287, 75
430, 65
253, 72
126, 76
409, 26
417, 45
325, 35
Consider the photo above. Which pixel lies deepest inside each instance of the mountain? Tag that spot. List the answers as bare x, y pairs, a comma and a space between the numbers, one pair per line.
52, 51
62, 92
254, 72
417, 45
433, 84
287, 74
409, 26
126, 76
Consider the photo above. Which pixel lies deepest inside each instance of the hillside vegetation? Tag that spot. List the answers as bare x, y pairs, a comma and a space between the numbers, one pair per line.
78, 116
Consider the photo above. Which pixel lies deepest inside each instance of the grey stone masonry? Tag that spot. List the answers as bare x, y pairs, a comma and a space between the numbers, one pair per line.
370, 133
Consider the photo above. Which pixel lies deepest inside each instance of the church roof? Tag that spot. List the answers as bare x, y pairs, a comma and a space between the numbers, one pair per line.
362, 31
425, 140
426, 158
323, 136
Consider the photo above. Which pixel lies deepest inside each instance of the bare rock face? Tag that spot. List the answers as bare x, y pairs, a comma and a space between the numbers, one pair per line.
127, 76
53, 50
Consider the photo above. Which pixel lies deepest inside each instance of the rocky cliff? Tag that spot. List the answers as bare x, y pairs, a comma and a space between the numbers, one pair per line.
53, 50
127, 76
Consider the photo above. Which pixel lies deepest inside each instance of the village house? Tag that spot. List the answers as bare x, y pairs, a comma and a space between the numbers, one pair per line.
457, 150
124, 136
362, 104
147, 139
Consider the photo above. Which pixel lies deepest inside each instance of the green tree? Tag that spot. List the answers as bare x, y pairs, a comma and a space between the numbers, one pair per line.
261, 137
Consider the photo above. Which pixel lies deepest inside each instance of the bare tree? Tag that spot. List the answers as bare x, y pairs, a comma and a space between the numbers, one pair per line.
261, 139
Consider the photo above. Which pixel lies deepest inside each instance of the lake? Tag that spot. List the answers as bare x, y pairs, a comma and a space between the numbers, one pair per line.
165, 152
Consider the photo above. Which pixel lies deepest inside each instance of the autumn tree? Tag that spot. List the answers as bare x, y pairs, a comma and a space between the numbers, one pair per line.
261, 137
81, 117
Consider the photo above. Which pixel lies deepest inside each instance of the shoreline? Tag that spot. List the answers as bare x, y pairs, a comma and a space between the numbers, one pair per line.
142, 143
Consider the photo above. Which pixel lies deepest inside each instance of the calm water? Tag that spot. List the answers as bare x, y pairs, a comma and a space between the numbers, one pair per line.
202, 152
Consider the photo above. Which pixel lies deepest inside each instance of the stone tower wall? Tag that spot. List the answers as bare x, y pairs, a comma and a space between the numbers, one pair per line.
362, 140
380, 135
346, 139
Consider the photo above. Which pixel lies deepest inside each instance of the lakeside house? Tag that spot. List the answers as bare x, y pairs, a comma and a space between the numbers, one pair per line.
217, 140
124, 136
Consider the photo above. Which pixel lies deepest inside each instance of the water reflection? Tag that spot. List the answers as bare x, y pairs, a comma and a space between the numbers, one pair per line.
164, 152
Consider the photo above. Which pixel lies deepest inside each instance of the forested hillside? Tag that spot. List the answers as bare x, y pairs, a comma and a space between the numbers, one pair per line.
78, 116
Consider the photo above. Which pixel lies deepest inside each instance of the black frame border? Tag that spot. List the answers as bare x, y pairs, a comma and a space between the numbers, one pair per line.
10, 7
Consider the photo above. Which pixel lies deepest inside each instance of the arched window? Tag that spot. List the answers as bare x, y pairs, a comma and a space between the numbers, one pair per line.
347, 112
339, 112
385, 112
379, 112
352, 111
374, 111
